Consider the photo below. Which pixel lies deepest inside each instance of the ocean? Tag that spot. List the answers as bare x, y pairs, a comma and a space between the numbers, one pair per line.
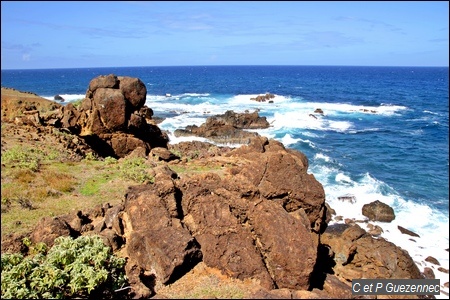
383, 134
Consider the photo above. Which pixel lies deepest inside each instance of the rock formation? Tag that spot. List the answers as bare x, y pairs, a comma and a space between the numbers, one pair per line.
255, 214
263, 98
113, 119
227, 128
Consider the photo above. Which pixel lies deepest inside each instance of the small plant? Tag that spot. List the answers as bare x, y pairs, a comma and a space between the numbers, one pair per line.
135, 169
77, 103
110, 160
70, 269
176, 153
26, 158
90, 156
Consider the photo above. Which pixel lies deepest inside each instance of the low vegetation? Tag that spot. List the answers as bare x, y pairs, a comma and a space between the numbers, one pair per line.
70, 269
36, 184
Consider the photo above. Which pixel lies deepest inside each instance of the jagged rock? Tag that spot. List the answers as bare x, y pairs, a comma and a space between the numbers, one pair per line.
374, 230
432, 260
225, 243
279, 173
289, 258
157, 241
263, 98
378, 211
428, 273
359, 255
227, 128
242, 121
111, 239
406, 231
112, 117
318, 111
163, 154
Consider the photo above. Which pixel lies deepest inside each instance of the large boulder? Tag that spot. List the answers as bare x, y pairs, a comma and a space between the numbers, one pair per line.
113, 117
157, 242
378, 211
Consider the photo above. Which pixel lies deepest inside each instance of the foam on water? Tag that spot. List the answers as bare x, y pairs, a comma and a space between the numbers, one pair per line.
431, 225
288, 140
67, 97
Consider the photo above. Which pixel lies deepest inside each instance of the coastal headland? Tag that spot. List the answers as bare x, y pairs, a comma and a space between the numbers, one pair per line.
191, 218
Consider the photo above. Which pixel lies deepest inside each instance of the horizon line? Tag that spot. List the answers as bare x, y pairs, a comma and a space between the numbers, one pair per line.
177, 66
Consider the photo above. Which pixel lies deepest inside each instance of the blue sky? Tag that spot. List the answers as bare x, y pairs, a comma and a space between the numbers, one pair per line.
77, 34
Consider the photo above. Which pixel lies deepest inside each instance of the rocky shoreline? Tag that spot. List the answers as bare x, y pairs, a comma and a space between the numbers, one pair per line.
254, 213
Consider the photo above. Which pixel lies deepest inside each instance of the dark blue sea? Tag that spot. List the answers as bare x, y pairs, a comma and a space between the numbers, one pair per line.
383, 134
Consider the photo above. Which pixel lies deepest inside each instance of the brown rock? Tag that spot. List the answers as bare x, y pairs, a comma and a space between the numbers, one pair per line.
48, 229
432, 260
289, 258
406, 231
134, 91
358, 255
378, 211
318, 111
227, 128
108, 81
157, 242
428, 273
111, 106
225, 244
163, 154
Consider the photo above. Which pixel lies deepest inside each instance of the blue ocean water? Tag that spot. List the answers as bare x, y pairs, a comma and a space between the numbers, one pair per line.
383, 134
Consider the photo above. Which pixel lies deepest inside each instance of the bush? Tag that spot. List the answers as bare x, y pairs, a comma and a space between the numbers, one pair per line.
135, 169
71, 268
22, 158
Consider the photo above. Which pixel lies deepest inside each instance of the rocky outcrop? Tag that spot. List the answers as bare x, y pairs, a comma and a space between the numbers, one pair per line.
259, 217
263, 98
239, 219
253, 213
113, 119
358, 255
227, 128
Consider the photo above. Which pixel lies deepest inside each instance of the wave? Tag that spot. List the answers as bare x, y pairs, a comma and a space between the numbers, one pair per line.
288, 140
431, 225
66, 97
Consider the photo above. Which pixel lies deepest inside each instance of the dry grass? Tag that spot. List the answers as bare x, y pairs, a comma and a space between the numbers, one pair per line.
204, 282
56, 186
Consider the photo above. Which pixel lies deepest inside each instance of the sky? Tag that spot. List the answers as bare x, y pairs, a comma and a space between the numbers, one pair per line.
86, 34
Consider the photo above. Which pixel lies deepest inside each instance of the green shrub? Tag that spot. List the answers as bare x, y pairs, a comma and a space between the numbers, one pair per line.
26, 158
110, 160
135, 169
70, 269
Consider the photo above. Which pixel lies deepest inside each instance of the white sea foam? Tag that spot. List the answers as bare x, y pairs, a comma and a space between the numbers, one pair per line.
246, 100
431, 225
305, 120
322, 157
66, 97
288, 140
